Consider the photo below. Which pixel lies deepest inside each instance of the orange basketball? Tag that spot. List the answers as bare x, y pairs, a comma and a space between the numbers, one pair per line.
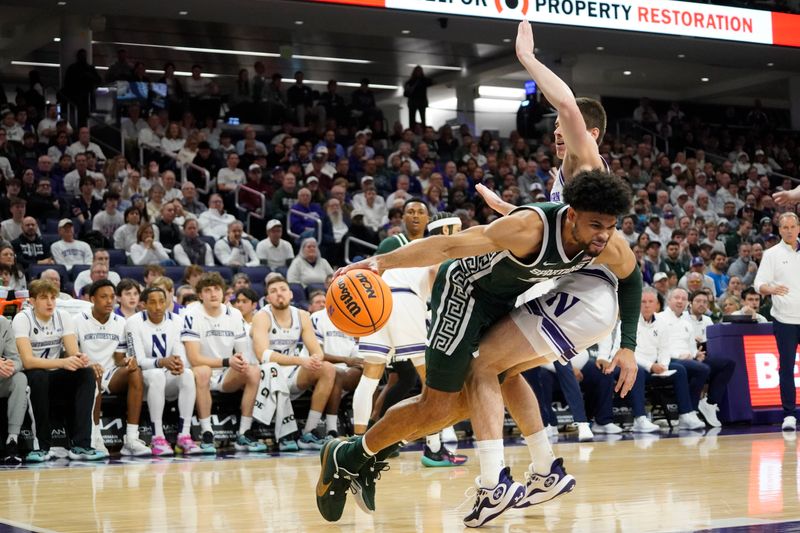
359, 302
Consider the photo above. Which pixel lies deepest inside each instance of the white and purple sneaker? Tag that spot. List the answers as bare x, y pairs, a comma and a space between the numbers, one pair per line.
539, 488
490, 503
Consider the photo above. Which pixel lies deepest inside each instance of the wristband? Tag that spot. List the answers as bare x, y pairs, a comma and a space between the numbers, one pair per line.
226, 363
158, 363
266, 355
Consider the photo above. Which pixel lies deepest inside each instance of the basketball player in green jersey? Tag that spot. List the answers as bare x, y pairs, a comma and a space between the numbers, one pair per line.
484, 270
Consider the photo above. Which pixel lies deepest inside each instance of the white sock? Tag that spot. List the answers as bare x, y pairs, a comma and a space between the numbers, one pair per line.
96, 430
490, 455
245, 424
186, 398
313, 421
205, 425
362, 400
541, 452
158, 428
331, 423
434, 442
449, 434
132, 431
11, 436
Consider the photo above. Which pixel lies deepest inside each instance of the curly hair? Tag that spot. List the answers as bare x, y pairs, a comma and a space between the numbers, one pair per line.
598, 192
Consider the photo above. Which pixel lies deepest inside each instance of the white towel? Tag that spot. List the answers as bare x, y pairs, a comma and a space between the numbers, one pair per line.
273, 400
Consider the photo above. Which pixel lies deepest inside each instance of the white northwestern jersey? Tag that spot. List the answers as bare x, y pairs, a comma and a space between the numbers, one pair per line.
45, 337
557, 191
284, 340
220, 336
415, 279
148, 342
333, 341
100, 341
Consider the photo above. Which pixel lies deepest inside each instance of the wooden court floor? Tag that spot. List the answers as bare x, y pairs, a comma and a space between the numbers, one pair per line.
631, 485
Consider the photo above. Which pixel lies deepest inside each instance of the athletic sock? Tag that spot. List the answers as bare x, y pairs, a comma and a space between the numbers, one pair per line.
158, 428
245, 424
312, 421
332, 423
132, 432
541, 452
186, 426
11, 436
205, 425
490, 455
352, 455
434, 442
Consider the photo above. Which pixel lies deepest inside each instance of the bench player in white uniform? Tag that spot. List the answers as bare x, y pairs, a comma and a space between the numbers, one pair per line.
277, 330
101, 335
41, 331
341, 350
153, 337
214, 338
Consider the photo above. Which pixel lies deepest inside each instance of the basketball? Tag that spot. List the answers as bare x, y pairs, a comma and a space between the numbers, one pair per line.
359, 303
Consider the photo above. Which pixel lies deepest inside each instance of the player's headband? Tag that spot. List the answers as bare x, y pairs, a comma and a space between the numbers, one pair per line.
442, 222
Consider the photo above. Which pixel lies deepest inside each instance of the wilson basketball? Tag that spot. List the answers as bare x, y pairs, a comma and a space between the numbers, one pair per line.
359, 303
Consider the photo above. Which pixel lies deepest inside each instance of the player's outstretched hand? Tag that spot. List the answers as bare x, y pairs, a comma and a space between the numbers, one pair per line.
493, 200
370, 263
787, 197
625, 360
524, 45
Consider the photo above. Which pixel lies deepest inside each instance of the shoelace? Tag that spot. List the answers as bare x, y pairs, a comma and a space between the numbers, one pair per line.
470, 494
376, 470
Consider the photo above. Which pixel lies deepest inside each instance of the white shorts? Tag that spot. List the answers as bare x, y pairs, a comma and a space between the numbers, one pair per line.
580, 310
403, 337
292, 372
107, 375
172, 383
218, 377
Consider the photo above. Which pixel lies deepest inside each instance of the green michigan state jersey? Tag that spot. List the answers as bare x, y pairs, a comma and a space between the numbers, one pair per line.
392, 243
502, 276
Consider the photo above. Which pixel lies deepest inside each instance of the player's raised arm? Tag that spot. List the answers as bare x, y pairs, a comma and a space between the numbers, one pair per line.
582, 147
787, 197
520, 233
493, 200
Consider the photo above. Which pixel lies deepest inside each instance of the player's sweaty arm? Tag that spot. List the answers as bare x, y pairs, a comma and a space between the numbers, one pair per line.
520, 233
582, 147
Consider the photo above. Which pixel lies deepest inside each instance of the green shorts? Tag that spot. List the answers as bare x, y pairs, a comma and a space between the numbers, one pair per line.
459, 319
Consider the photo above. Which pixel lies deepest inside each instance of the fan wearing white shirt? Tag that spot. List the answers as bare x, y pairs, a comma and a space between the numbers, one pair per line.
83, 144
274, 251
751, 302
214, 339
67, 251
101, 335
778, 277
277, 330
153, 336
41, 331
214, 221
697, 316
233, 250
101, 257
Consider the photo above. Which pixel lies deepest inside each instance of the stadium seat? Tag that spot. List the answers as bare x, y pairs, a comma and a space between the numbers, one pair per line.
299, 297
258, 288
225, 272
255, 273
50, 226
131, 271
117, 257
50, 238
34, 271
175, 273
210, 240
282, 271
315, 287
77, 269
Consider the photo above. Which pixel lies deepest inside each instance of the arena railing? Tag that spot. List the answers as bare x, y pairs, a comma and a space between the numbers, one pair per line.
259, 214
357, 241
630, 124
182, 167
316, 220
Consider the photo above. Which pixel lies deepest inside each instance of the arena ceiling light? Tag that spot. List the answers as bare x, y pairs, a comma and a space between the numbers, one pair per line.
505, 93
496, 105
344, 84
626, 72
704, 79
434, 67
149, 71
227, 51
599, 48
35, 64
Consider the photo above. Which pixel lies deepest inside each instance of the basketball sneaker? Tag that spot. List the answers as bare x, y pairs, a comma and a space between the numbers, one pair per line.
187, 446
690, 421
606, 429
789, 423
641, 424
364, 485
334, 482
287, 444
135, 448
207, 443
38, 456
539, 488
443, 457
78, 453
161, 447
709, 412
246, 443
309, 441
59, 452
11, 455
98, 444
490, 503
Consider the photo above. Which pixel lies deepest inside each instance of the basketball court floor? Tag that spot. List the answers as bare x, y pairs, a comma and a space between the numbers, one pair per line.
744, 479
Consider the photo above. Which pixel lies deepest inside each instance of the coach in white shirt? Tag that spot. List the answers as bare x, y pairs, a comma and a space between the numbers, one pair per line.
779, 277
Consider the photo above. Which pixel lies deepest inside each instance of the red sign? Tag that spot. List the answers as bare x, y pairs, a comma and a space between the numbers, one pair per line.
761, 357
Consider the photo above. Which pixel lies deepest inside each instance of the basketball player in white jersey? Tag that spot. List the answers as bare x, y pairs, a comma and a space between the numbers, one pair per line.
277, 330
153, 337
214, 338
341, 350
41, 333
101, 335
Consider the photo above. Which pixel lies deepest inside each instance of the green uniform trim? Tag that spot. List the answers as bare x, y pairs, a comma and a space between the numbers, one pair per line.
629, 298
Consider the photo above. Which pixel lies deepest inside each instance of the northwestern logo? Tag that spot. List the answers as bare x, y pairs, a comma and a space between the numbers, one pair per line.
347, 299
367, 286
